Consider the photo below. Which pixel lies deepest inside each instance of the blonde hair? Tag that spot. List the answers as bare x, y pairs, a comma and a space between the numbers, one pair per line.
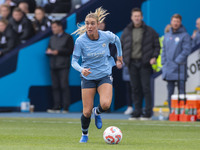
99, 14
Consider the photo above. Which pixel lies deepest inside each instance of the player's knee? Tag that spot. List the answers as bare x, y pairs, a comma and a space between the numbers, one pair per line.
87, 114
105, 106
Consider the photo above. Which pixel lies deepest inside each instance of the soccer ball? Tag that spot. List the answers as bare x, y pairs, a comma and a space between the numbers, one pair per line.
112, 135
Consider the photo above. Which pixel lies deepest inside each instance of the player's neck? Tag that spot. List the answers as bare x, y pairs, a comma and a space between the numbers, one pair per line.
94, 36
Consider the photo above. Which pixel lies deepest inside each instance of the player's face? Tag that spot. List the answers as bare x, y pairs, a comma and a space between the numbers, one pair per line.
175, 23
91, 26
136, 17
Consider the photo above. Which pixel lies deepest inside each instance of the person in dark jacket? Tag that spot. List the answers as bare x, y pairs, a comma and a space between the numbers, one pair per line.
58, 6
8, 38
41, 22
176, 48
14, 3
60, 48
22, 25
140, 44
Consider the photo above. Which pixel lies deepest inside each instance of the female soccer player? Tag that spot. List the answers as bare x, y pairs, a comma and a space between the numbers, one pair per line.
96, 67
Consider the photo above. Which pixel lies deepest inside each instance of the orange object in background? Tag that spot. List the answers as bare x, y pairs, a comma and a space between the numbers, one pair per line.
198, 114
189, 111
174, 115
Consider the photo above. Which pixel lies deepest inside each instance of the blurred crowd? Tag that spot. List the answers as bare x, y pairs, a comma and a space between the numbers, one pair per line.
25, 18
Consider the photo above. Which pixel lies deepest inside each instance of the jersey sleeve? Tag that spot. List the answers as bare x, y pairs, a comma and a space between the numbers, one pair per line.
115, 39
75, 57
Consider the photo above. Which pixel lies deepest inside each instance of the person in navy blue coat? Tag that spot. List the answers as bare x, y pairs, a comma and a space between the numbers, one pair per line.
176, 48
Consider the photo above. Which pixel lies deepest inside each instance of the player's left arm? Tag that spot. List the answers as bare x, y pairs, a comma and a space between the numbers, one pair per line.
115, 39
119, 62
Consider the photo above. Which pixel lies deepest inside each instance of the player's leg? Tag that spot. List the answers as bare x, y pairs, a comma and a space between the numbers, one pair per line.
87, 100
105, 93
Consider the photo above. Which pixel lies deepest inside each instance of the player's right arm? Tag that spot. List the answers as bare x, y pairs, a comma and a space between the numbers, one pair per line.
75, 57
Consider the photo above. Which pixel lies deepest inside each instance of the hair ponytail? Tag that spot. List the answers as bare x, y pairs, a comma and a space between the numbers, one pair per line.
99, 14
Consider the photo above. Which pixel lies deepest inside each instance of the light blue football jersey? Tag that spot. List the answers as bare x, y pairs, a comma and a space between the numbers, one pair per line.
95, 54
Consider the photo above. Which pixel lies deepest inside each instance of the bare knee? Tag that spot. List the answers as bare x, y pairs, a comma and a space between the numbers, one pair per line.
87, 113
105, 106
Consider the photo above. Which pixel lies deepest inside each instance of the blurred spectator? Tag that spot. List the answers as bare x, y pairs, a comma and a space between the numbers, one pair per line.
21, 25
14, 3
10, 3
126, 79
194, 34
158, 66
102, 26
2, 2
84, 1
140, 44
41, 22
8, 37
75, 4
60, 48
58, 6
24, 7
41, 3
5, 11
176, 48
196, 38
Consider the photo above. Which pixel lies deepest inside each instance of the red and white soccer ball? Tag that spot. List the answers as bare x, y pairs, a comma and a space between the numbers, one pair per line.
112, 135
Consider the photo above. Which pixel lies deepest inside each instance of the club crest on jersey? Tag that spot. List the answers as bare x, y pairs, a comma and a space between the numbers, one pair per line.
104, 45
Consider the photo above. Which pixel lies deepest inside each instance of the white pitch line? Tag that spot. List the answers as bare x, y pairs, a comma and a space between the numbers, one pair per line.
171, 125
131, 123
179, 139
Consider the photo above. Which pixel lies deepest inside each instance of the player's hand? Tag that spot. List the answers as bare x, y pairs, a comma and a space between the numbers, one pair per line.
86, 72
119, 62
120, 59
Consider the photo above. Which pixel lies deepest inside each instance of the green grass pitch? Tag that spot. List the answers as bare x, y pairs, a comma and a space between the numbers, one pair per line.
64, 134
